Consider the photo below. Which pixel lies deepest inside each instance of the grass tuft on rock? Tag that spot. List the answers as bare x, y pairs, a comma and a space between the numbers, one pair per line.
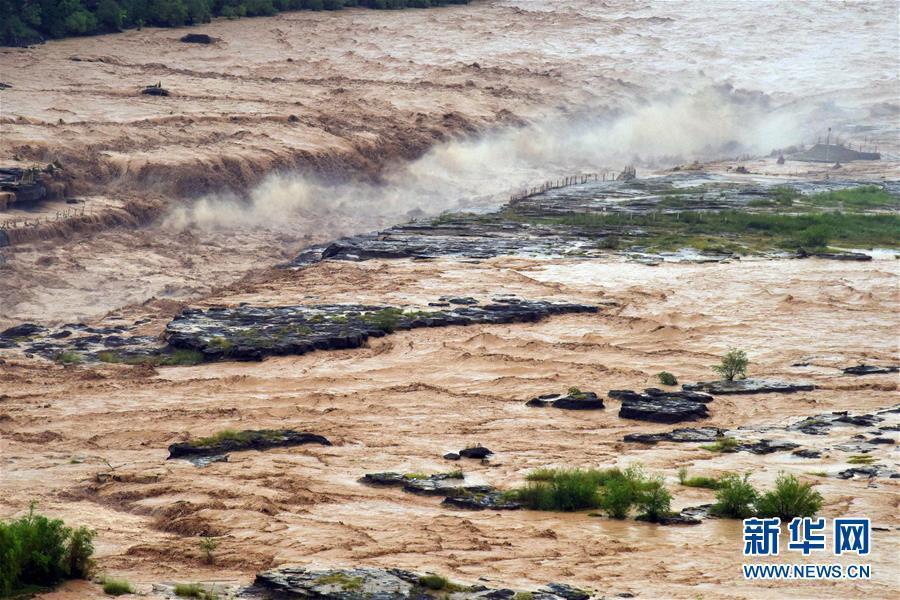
117, 587
861, 459
342, 580
722, 444
710, 483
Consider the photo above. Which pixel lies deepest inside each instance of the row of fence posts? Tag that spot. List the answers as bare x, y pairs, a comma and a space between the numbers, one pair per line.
36, 221
561, 183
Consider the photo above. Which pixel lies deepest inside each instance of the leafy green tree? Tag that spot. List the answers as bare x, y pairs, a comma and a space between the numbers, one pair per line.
734, 364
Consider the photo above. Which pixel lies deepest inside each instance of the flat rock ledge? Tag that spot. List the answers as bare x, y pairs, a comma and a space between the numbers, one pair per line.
365, 583
259, 439
658, 406
439, 484
870, 370
685, 435
749, 386
252, 333
568, 401
822, 424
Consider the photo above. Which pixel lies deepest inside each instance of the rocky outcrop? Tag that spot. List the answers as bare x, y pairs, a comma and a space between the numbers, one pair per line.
368, 583
490, 500
870, 370
475, 452
822, 424
261, 439
569, 401
252, 333
658, 406
699, 435
765, 446
692, 515
749, 386
439, 484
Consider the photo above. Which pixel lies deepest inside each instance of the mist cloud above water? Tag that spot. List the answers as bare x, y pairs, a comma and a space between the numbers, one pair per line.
715, 122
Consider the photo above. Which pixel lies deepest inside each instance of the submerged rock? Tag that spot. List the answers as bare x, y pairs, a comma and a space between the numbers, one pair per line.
682, 435
870, 370
570, 401
749, 386
807, 453
261, 439
475, 452
369, 583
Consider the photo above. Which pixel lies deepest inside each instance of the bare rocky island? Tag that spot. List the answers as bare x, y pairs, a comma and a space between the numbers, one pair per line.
488, 300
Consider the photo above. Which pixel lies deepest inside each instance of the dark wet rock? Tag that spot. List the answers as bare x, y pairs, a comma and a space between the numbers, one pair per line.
563, 590
659, 408
155, 90
749, 386
490, 500
765, 447
458, 300
451, 456
60, 334
658, 394
252, 333
197, 38
851, 256
22, 330
822, 424
475, 452
868, 471
807, 453
571, 401
870, 370
881, 440
682, 435
369, 583
261, 439
439, 484
691, 515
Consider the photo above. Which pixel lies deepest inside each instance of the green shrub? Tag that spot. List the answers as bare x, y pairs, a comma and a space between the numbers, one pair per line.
564, 489
861, 459
618, 498
386, 319
734, 364
117, 587
37, 551
653, 500
814, 238
67, 358
735, 498
790, 498
208, 546
666, 378
81, 548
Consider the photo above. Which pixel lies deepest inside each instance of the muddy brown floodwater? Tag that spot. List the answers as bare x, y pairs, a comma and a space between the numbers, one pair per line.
299, 128
408, 398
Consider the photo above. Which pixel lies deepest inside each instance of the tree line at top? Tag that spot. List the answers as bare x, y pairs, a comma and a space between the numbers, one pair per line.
24, 22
